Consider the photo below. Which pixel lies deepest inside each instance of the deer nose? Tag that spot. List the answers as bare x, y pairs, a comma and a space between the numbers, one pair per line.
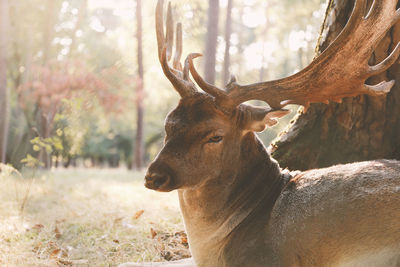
157, 181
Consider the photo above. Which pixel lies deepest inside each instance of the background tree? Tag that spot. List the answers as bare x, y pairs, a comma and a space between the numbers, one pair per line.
139, 89
4, 91
360, 128
228, 32
211, 41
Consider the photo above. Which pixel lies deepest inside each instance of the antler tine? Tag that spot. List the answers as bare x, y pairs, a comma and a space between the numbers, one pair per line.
207, 87
172, 77
186, 68
375, 7
160, 27
352, 24
386, 63
170, 32
178, 50
165, 43
380, 88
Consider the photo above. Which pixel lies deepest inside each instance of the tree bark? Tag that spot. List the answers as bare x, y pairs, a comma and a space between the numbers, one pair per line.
228, 31
211, 41
361, 128
139, 90
4, 91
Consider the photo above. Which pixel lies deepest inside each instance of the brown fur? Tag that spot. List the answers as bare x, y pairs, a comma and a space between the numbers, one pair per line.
240, 210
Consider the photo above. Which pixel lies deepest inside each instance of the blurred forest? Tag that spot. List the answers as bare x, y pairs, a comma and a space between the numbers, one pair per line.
75, 81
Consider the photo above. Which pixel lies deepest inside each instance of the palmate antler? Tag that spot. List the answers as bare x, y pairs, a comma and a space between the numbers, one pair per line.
340, 71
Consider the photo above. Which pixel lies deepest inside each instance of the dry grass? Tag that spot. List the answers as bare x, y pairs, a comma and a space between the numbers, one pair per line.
86, 217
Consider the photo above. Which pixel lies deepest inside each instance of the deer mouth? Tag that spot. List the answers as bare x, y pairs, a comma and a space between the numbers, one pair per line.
159, 182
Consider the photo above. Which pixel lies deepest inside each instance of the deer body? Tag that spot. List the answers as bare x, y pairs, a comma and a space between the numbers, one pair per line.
243, 211
345, 215
326, 217
239, 209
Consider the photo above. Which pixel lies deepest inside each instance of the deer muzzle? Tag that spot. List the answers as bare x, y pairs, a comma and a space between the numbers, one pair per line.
159, 177
157, 181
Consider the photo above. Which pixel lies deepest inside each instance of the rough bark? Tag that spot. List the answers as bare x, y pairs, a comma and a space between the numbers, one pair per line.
361, 128
211, 41
228, 31
139, 90
4, 91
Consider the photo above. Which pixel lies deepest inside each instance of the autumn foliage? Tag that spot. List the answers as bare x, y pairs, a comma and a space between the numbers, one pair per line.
50, 84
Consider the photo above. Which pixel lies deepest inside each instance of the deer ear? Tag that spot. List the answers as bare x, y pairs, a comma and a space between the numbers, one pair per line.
257, 118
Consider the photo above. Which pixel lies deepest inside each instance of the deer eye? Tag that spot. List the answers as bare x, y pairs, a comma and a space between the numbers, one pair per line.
215, 139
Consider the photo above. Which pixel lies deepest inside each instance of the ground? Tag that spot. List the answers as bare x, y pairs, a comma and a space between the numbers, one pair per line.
86, 217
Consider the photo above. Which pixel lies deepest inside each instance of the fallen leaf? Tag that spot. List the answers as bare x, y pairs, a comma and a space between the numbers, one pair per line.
38, 226
153, 233
138, 214
37, 247
57, 232
184, 240
55, 253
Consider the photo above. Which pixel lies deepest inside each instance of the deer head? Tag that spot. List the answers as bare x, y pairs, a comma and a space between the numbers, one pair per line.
207, 131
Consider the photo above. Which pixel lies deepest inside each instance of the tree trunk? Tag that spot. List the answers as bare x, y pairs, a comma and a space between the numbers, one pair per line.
228, 31
139, 90
361, 128
211, 41
4, 93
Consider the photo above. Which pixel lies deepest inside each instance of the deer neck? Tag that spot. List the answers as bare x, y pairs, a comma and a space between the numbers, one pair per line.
214, 211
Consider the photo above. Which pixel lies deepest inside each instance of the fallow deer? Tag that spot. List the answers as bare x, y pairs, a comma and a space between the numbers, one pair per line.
239, 208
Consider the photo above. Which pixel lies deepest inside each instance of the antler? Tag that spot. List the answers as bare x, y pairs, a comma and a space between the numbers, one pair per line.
340, 71
178, 77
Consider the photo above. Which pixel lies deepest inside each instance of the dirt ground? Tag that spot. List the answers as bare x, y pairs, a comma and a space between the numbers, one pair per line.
86, 217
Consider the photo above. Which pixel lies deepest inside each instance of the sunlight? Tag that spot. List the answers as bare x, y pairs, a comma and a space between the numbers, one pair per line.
121, 8
297, 40
96, 25
253, 18
258, 54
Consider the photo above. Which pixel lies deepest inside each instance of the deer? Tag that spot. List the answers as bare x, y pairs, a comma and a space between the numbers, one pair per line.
239, 208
